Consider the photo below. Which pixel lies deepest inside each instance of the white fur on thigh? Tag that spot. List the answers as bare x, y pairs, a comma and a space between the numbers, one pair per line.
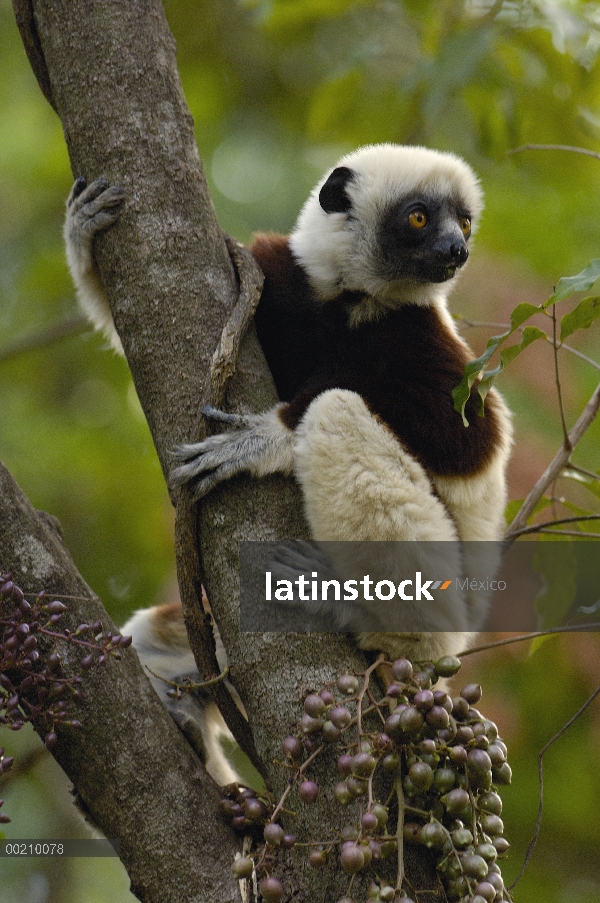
357, 480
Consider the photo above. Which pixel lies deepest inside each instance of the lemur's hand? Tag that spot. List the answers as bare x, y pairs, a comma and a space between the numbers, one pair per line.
90, 209
259, 444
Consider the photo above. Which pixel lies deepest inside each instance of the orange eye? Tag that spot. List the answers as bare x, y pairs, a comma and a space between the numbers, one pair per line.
465, 226
417, 219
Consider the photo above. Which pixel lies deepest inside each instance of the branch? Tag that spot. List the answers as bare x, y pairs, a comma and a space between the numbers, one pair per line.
578, 534
538, 823
545, 526
118, 760
41, 338
507, 641
561, 409
494, 10
24, 15
561, 459
555, 147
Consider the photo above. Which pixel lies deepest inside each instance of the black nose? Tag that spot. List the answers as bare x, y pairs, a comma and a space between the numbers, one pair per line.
459, 253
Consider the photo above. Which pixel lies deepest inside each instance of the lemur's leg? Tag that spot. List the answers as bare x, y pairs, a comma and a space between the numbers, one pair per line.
259, 444
160, 640
357, 479
359, 482
91, 209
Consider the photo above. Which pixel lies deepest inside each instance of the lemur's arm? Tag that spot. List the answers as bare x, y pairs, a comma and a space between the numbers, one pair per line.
91, 209
260, 444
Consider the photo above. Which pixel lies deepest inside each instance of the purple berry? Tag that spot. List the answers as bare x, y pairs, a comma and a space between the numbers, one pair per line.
271, 890
292, 747
352, 858
308, 791
273, 834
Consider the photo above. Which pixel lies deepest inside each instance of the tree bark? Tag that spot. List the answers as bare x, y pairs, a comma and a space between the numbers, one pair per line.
111, 71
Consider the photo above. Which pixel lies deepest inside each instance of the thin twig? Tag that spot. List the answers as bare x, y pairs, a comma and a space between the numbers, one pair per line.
294, 780
538, 823
492, 12
557, 379
556, 147
552, 523
580, 534
584, 471
365, 687
188, 687
375, 706
400, 828
480, 324
250, 280
486, 324
581, 356
507, 641
561, 459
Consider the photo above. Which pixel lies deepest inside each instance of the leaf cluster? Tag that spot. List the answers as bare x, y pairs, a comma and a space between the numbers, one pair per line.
581, 317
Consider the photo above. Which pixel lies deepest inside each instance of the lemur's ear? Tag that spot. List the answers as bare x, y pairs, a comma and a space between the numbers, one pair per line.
332, 196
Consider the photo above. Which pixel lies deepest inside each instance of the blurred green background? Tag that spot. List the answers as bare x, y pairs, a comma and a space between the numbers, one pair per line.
278, 91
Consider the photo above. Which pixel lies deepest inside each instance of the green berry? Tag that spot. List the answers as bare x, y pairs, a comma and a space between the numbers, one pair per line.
432, 835
490, 802
474, 866
421, 775
447, 666
242, 867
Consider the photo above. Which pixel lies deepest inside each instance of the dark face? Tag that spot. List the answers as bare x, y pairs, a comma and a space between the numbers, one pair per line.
424, 239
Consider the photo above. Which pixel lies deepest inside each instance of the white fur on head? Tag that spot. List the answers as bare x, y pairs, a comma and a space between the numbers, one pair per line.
339, 251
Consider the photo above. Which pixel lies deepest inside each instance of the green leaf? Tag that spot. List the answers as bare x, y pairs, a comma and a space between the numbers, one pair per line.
521, 313
513, 508
579, 283
530, 334
581, 317
577, 510
537, 642
471, 372
295, 15
591, 484
462, 392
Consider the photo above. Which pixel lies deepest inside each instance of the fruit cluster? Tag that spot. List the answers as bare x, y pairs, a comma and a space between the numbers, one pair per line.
414, 765
34, 685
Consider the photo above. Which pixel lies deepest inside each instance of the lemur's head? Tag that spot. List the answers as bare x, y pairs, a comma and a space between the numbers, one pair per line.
391, 221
